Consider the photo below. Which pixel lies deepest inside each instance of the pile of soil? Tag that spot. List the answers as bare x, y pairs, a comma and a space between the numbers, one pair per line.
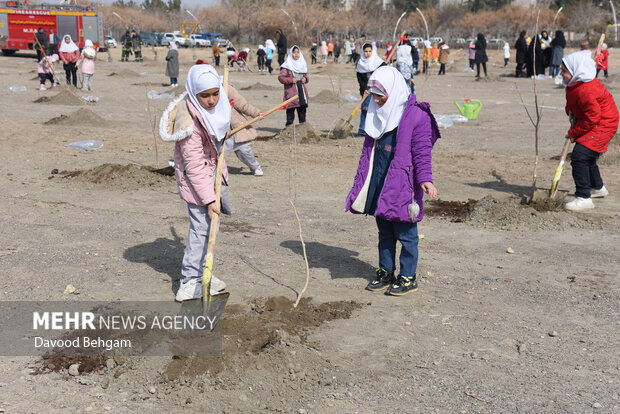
304, 133
326, 97
148, 84
252, 332
65, 97
125, 74
121, 177
260, 87
82, 117
510, 214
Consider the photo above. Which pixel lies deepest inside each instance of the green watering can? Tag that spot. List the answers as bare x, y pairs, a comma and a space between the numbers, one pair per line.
470, 108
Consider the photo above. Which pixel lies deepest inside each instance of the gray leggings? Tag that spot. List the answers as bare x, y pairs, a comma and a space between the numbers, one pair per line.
243, 151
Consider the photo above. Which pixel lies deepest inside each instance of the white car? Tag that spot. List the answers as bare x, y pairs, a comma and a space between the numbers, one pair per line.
110, 41
197, 41
179, 39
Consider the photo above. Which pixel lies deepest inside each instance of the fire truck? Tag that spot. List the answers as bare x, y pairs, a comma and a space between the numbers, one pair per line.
20, 20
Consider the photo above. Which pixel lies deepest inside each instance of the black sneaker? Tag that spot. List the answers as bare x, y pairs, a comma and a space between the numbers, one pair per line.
403, 285
383, 280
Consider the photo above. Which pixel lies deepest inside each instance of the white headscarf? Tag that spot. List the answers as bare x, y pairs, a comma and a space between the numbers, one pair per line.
88, 43
173, 45
67, 47
203, 77
365, 65
403, 55
386, 81
297, 66
269, 43
581, 66
427, 44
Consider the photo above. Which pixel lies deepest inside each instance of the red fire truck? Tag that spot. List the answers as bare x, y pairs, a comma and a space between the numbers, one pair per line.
19, 20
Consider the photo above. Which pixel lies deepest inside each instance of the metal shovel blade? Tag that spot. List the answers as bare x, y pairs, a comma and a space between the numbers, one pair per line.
542, 197
342, 129
212, 308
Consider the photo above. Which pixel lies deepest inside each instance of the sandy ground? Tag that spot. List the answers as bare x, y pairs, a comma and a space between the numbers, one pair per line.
487, 332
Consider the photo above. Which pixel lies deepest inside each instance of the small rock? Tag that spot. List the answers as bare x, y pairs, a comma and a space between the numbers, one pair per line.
69, 290
152, 390
119, 360
421, 236
597, 405
74, 370
553, 334
407, 323
89, 408
243, 397
303, 411
108, 408
510, 250
110, 363
105, 383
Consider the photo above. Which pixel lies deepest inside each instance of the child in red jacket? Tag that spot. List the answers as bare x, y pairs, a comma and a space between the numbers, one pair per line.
602, 62
594, 121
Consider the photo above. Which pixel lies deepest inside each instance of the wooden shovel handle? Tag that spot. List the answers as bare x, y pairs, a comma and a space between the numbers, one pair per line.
251, 121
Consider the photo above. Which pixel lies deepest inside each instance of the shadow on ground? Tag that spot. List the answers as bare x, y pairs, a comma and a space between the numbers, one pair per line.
502, 186
164, 255
341, 262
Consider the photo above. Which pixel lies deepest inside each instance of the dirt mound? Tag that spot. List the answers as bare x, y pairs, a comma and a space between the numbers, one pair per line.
252, 331
123, 177
65, 97
81, 117
326, 97
125, 74
304, 133
510, 214
259, 87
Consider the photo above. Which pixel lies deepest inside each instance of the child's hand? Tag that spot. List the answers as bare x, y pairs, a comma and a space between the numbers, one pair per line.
429, 189
261, 116
303, 80
211, 208
569, 137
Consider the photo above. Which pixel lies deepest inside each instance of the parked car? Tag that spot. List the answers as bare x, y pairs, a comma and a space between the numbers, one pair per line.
436, 40
176, 37
196, 40
496, 43
110, 41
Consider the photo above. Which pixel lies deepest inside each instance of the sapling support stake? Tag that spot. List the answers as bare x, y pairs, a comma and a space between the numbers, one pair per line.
153, 121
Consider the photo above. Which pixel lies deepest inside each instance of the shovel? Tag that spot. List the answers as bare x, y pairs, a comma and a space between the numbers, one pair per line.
542, 195
344, 127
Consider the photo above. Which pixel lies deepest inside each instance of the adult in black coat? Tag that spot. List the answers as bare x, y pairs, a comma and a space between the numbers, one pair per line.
481, 55
282, 46
42, 38
535, 58
521, 48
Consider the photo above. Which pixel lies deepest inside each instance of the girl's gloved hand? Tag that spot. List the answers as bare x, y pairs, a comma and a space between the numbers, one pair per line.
429, 189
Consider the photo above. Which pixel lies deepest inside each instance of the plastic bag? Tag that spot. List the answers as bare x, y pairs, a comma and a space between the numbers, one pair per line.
352, 98
18, 89
86, 145
541, 77
91, 98
468, 69
446, 121
154, 95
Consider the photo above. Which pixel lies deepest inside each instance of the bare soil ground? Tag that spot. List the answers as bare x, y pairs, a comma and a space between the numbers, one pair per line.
517, 311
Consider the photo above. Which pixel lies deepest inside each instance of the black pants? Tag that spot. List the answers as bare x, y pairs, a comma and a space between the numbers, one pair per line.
138, 55
261, 62
71, 72
442, 69
281, 57
356, 57
506, 61
46, 76
585, 171
268, 64
125, 55
484, 66
312, 59
424, 66
301, 114
471, 63
604, 71
217, 60
519, 70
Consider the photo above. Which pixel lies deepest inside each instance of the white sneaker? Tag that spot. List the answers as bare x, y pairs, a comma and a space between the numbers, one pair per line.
193, 289
600, 193
259, 172
579, 204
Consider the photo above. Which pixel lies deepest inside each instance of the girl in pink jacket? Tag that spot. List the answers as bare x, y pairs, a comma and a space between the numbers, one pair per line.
45, 70
87, 61
69, 53
198, 122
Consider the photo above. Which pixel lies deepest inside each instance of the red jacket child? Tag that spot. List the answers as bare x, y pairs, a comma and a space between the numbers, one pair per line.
594, 112
602, 63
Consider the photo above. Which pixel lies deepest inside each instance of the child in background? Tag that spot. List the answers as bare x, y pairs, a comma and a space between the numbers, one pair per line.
201, 122
216, 53
172, 63
367, 64
294, 76
506, 53
393, 174
444, 52
69, 53
87, 61
330, 49
313, 53
324, 51
45, 69
426, 57
240, 143
260, 58
601, 59
415, 55
594, 121
404, 63
472, 54
434, 54
270, 48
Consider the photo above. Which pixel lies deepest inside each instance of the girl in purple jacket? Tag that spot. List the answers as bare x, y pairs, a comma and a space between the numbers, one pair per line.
394, 173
